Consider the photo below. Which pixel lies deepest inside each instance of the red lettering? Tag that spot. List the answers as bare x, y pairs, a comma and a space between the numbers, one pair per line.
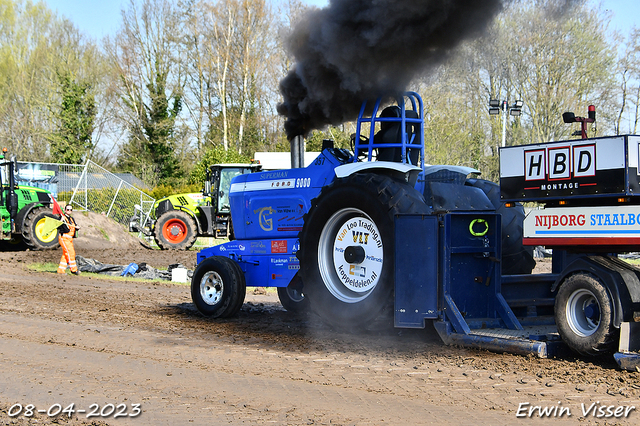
555, 220
564, 220
581, 220
538, 221
572, 220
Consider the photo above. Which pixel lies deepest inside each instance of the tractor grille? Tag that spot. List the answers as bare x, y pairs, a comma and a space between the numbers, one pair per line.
26, 195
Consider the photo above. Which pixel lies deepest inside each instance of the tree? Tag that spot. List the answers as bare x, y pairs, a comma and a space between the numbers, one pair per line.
42, 58
629, 77
534, 51
252, 49
561, 64
147, 66
71, 142
228, 43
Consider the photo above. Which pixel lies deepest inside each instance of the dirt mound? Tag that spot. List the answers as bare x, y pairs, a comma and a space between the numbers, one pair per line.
100, 232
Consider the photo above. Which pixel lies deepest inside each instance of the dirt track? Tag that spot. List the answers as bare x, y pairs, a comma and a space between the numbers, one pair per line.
87, 340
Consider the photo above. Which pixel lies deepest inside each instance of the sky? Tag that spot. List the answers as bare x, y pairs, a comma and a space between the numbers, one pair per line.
98, 18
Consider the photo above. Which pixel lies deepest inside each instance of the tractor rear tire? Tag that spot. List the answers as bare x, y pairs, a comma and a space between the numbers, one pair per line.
516, 258
347, 247
32, 230
584, 315
175, 230
218, 287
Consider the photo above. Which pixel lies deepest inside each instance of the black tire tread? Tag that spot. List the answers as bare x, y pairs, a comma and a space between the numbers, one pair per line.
241, 292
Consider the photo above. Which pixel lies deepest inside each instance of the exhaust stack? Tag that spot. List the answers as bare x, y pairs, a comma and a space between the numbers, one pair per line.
297, 152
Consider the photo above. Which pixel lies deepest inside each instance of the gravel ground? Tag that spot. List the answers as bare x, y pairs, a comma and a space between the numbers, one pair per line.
108, 345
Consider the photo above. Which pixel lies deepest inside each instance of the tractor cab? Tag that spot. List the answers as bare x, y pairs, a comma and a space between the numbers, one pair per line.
218, 182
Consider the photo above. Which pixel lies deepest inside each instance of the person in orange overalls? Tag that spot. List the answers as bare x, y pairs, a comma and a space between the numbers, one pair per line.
66, 242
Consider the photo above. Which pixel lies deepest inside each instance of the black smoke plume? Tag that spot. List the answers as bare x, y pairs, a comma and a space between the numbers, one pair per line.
356, 50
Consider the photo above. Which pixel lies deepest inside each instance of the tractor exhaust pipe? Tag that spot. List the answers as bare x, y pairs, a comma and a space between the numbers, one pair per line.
297, 151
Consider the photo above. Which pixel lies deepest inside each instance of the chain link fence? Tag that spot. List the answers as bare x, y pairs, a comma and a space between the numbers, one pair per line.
59, 179
100, 191
89, 187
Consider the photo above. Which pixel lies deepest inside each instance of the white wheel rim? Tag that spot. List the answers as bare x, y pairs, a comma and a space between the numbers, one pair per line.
211, 288
583, 313
350, 228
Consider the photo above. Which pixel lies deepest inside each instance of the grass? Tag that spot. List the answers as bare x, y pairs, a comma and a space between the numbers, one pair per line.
43, 267
104, 234
53, 268
201, 242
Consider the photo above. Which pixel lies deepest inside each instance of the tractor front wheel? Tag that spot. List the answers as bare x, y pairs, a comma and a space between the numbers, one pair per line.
34, 232
218, 287
175, 230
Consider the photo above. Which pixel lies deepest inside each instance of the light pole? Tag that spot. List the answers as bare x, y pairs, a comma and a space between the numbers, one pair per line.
495, 106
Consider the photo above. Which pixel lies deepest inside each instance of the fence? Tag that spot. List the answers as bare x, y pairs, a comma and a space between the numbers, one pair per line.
101, 191
59, 179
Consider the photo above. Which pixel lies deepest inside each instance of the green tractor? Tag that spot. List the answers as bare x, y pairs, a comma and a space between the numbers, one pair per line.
176, 221
24, 211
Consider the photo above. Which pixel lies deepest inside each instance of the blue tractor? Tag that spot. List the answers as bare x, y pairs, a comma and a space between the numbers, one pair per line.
326, 236
353, 236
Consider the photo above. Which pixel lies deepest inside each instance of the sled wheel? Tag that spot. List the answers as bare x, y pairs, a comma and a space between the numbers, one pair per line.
292, 298
347, 247
516, 258
175, 230
584, 315
33, 232
218, 287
